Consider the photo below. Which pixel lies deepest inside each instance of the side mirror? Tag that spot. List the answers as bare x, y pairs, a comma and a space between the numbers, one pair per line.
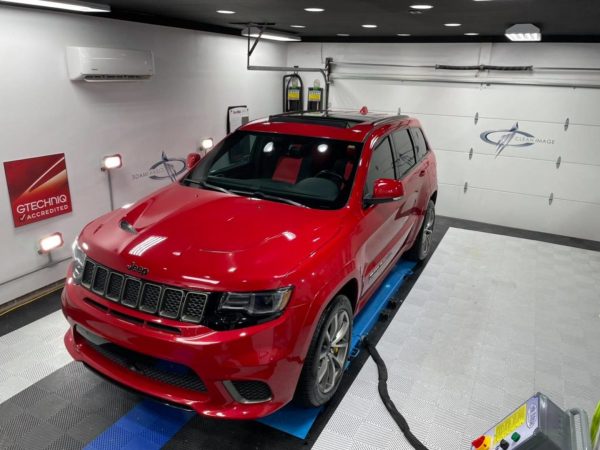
192, 159
385, 190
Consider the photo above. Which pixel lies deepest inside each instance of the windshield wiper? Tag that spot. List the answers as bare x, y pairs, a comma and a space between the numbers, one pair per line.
206, 185
263, 196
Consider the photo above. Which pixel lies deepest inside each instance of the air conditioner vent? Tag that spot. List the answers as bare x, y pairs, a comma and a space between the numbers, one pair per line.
93, 64
100, 78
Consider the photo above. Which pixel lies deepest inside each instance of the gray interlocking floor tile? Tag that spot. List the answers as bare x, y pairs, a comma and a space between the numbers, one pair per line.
491, 320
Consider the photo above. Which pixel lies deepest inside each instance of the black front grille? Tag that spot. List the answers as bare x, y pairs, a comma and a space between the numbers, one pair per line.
115, 283
193, 308
166, 301
100, 278
253, 390
88, 275
150, 298
156, 369
171, 303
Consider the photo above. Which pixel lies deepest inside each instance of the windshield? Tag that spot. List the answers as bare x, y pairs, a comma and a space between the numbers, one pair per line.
308, 171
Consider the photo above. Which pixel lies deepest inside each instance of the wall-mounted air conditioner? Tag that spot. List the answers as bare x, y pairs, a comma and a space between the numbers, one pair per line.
109, 64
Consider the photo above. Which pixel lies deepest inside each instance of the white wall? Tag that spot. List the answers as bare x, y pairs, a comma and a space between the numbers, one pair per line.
514, 188
41, 112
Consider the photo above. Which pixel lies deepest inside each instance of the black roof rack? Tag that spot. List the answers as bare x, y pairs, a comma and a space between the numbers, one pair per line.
338, 119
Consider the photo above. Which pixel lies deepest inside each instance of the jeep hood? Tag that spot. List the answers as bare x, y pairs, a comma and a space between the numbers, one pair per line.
193, 237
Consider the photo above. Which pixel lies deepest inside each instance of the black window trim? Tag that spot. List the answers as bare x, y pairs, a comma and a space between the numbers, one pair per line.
418, 160
380, 143
406, 172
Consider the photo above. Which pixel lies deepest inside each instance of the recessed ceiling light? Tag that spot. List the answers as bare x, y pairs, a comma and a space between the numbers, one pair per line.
298, 26
421, 6
225, 11
343, 34
68, 5
314, 9
471, 34
522, 32
453, 24
403, 34
369, 25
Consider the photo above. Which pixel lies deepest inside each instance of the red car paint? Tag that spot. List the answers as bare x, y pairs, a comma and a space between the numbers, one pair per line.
219, 242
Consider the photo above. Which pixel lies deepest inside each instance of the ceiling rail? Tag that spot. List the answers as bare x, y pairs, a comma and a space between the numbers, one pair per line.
459, 80
479, 67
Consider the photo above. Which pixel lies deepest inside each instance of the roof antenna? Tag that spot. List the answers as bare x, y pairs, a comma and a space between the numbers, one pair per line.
364, 111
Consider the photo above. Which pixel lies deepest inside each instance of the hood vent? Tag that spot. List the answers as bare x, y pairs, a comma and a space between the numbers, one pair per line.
127, 227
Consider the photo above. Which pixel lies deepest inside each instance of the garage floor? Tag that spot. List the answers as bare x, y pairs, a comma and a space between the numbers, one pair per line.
491, 320
484, 325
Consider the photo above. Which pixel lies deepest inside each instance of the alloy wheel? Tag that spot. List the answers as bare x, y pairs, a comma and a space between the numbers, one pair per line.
428, 231
333, 351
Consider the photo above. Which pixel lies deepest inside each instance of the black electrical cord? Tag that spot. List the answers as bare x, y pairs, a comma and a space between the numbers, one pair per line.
387, 401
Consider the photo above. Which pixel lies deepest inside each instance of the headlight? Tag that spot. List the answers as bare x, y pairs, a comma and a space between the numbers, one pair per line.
257, 303
78, 262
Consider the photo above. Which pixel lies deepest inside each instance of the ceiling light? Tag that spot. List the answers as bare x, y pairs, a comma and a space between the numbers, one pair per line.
49, 243
298, 26
270, 35
421, 6
314, 9
453, 24
225, 11
471, 34
343, 34
403, 34
69, 6
369, 25
524, 32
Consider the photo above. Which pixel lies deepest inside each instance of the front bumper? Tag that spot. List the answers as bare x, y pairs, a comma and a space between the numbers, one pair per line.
269, 353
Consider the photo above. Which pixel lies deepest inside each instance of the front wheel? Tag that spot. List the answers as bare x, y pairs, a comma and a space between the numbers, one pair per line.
327, 355
422, 246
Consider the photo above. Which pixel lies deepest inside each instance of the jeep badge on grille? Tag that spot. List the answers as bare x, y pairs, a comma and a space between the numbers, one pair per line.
139, 269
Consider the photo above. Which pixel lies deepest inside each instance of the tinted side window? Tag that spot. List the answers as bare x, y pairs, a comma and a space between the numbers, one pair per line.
382, 164
404, 155
420, 144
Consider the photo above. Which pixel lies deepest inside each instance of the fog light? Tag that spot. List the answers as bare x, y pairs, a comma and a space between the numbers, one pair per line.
50, 242
112, 162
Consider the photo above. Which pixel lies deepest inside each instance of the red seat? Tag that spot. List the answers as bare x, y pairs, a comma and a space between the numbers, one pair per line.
287, 169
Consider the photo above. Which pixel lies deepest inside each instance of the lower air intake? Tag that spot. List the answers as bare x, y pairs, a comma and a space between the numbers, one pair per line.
156, 369
253, 391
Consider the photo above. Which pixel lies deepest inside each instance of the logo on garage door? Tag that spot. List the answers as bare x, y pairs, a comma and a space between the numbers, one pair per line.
512, 138
508, 138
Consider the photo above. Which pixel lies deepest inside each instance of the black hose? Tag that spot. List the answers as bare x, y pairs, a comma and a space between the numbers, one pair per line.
387, 401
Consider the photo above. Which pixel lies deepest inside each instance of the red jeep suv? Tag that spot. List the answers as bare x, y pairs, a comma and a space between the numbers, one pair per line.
233, 290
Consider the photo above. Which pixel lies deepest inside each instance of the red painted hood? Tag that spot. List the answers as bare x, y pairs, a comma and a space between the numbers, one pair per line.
193, 237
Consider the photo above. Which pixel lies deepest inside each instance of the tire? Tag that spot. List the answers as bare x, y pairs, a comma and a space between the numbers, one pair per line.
422, 246
325, 362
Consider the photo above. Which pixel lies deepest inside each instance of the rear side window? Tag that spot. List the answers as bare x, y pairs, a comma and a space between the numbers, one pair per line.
419, 141
404, 155
381, 165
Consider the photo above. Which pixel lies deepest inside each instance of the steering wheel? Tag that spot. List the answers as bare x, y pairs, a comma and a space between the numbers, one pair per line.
331, 175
